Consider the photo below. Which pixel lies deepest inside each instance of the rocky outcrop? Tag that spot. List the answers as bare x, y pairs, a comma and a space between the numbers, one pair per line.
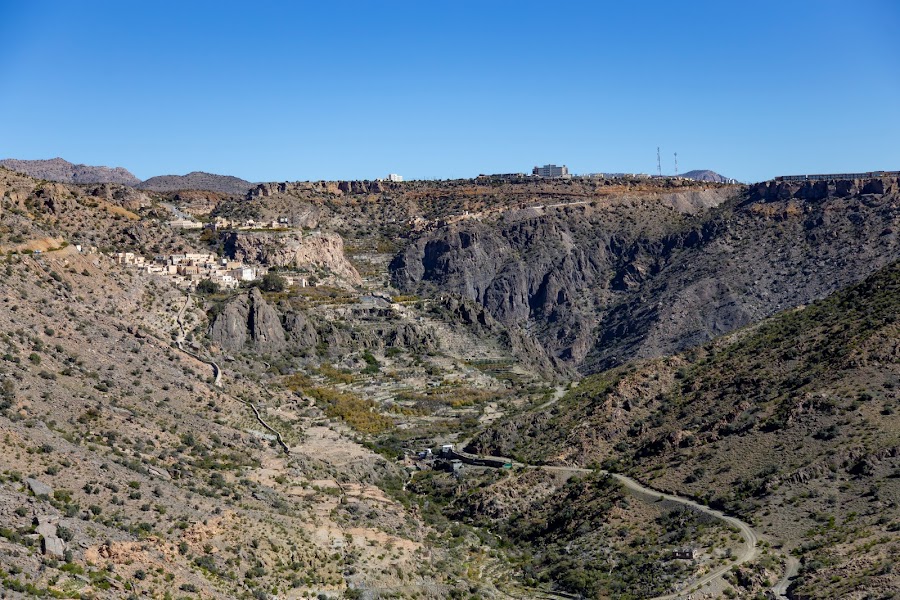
304, 251
123, 196
38, 488
299, 330
361, 187
247, 320
773, 191
55, 198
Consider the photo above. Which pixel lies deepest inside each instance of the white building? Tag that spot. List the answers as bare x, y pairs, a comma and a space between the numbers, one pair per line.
243, 274
395, 178
185, 224
551, 171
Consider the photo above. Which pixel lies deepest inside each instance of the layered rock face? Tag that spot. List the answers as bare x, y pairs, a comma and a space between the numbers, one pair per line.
553, 270
773, 191
324, 251
596, 287
337, 188
529, 271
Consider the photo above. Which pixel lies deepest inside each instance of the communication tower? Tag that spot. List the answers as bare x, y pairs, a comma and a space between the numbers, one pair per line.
658, 164
676, 164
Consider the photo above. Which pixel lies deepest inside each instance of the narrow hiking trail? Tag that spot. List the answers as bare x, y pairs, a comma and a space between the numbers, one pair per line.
179, 341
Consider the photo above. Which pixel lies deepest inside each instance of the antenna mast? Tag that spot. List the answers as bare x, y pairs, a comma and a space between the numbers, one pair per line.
676, 164
658, 164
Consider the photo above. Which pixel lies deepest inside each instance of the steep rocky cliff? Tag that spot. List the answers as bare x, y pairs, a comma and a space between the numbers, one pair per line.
247, 319
552, 270
596, 284
323, 251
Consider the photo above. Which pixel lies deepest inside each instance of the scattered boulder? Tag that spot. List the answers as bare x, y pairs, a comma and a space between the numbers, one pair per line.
46, 527
162, 474
38, 488
53, 547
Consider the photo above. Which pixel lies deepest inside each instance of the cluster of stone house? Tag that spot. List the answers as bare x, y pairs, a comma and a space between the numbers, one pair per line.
223, 223
191, 268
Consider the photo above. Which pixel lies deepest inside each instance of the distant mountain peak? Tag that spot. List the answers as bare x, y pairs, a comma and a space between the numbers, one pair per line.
197, 180
61, 170
706, 175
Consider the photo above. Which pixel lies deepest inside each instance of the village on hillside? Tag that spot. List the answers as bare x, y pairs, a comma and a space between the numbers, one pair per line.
189, 269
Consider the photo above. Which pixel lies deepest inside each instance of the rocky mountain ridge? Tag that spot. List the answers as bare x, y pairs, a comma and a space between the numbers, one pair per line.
58, 169
63, 171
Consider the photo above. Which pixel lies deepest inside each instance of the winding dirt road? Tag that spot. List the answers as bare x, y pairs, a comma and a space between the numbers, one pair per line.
750, 537
790, 572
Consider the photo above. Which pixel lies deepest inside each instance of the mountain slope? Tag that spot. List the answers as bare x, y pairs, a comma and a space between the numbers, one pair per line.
57, 169
792, 423
197, 180
124, 466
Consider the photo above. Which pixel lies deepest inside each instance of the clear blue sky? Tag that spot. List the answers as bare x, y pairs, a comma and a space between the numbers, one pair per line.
274, 91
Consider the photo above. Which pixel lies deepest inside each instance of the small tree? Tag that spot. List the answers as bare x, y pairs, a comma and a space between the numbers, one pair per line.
272, 282
7, 394
207, 286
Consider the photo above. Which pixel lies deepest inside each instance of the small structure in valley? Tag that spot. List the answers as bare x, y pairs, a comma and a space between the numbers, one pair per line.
685, 553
